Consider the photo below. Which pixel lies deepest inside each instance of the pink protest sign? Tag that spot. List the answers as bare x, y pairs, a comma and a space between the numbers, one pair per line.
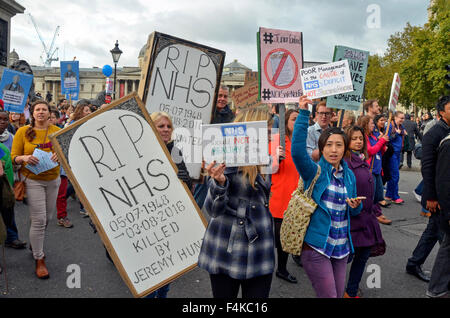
280, 60
395, 91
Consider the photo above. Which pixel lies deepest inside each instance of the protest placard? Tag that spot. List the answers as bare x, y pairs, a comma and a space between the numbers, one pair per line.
358, 62
326, 79
70, 78
14, 89
246, 96
182, 78
125, 177
395, 92
236, 144
280, 57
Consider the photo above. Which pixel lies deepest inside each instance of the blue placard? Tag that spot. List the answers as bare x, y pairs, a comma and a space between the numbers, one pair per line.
234, 130
14, 89
70, 77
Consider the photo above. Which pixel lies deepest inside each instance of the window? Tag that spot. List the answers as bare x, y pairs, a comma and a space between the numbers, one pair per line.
81, 87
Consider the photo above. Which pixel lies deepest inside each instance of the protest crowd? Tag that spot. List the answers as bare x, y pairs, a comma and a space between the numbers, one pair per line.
348, 167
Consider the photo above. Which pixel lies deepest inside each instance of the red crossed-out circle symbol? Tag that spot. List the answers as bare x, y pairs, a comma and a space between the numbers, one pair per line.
274, 79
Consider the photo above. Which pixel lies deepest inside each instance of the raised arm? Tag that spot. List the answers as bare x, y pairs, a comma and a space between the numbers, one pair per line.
306, 167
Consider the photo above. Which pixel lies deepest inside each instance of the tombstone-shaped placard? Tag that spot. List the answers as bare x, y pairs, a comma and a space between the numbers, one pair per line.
123, 174
182, 78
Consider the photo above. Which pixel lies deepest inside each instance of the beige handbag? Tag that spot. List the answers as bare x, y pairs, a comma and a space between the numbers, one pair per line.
297, 216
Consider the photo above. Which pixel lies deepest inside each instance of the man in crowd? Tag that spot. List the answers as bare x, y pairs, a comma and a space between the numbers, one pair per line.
440, 276
323, 120
372, 108
432, 233
222, 113
412, 132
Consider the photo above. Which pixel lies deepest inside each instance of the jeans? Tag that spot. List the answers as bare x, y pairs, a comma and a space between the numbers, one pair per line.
392, 185
327, 275
359, 262
223, 286
160, 293
42, 205
281, 255
12, 232
419, 188
440, 275
430, 236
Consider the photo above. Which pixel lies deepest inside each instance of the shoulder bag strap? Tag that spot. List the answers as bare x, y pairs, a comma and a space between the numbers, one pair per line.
313, 183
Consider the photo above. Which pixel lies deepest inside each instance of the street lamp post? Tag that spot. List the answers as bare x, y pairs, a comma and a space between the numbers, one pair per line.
115, 52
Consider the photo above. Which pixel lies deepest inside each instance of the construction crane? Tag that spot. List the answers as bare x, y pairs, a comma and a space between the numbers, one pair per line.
49, 53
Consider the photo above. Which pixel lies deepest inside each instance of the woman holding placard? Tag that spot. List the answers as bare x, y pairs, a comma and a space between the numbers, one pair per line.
41, 188
238, 246
327, 243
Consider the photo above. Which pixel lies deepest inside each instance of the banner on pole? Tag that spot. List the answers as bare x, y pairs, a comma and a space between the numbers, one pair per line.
280, 58
395, 92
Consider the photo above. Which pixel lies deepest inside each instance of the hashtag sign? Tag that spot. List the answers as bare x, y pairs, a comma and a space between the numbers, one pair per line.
266, 94
268, 38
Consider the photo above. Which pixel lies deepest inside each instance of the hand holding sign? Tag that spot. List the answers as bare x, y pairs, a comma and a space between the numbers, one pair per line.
303, 102
217, 172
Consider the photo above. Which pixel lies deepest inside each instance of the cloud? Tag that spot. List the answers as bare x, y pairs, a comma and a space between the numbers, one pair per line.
89, 28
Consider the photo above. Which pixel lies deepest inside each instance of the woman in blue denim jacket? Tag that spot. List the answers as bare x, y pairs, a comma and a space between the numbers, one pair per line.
327, 243
238, 246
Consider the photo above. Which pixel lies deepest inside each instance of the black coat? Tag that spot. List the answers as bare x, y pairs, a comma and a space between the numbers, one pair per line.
443, 183
225, 115
430, 144
177, 157
412, 131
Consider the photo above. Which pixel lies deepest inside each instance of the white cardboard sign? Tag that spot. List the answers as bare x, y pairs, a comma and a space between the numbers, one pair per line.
327, 79
145, 215
236, 144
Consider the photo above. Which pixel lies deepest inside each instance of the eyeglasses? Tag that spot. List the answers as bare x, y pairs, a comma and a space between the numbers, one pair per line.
324, 114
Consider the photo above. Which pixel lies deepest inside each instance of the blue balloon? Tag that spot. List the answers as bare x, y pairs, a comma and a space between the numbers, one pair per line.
107, 70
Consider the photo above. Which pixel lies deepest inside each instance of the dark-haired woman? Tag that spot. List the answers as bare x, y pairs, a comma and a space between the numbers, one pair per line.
327, 243
365, 230
376, 146
284, 182
41, 189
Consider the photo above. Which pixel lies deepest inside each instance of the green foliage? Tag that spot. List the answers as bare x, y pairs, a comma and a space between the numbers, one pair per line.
419, 55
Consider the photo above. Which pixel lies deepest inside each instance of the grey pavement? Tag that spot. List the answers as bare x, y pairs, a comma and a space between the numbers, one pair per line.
99, 278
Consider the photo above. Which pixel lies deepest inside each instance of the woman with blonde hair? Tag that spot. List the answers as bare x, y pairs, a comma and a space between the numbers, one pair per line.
42, 188
238, 246
164, 126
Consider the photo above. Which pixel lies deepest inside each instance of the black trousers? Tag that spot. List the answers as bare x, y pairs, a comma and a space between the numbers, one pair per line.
408, 158
281, 255
223, 286
429, 238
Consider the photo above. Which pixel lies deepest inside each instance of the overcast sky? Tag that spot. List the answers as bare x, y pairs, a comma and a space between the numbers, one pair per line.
89, 28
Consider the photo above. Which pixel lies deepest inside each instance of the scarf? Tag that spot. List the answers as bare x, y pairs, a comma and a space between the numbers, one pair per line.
5, 136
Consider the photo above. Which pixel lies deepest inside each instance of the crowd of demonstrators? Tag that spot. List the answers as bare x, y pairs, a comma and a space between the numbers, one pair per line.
241, 247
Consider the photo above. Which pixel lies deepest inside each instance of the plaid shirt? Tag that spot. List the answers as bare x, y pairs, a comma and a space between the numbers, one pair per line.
239, 239
334, 197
